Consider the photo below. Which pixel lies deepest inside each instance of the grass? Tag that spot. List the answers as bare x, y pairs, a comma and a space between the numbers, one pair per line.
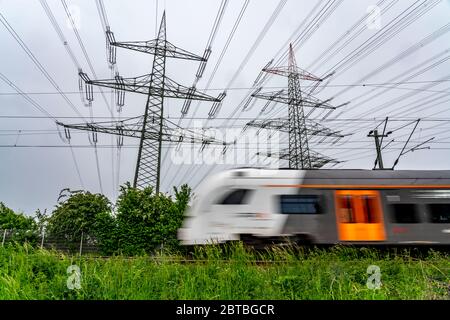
230, 273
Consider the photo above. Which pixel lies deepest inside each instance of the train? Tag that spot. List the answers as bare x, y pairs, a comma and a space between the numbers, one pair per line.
322, 206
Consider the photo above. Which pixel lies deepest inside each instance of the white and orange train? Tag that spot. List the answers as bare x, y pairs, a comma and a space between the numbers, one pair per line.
321, 207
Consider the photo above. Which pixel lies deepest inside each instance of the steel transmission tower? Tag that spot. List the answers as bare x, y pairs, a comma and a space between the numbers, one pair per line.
151, 128
296, 125
312, 129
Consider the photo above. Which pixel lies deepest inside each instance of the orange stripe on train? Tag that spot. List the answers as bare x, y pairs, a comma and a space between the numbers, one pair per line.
357, 186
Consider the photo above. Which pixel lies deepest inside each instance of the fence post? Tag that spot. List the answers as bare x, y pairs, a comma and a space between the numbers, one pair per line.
81, 243
42, 239
4, 237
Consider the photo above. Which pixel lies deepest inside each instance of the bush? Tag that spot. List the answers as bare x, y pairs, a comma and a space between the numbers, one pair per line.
84, 214
21, 228
146, 221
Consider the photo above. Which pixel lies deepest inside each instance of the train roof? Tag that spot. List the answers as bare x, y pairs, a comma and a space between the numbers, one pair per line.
354, 176
376, 174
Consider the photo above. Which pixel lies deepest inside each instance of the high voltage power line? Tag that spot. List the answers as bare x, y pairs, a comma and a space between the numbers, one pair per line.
360, 85
414, 101
318, 19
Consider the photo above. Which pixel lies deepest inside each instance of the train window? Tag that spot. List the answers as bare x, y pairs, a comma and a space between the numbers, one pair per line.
439, 212
404, 213
300, 204
239, 196
346, 209
369, 209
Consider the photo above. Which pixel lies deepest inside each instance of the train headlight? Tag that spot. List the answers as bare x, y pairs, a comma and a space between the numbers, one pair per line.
262, 215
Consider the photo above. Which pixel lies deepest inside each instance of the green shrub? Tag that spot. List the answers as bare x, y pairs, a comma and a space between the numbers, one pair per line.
20, 227
83, 214
146, 221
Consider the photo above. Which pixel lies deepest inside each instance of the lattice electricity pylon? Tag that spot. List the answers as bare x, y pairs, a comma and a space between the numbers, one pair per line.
299, 154
156, 86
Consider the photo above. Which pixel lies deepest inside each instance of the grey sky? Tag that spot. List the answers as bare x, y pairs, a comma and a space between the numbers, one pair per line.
31, 178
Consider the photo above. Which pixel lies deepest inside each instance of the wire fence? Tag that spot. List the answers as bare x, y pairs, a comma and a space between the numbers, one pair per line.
84, 244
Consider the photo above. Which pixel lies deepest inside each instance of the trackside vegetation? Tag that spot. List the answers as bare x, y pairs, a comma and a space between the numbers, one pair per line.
233, 272
139, 222
139, 257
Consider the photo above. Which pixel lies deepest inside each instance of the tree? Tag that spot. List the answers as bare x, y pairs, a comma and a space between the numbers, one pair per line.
21, 228
146, 220
84, 214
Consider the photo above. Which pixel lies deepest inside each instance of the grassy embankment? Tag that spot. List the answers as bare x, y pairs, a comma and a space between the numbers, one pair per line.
338, 273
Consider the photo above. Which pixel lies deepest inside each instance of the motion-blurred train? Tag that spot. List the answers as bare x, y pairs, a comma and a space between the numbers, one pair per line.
321, 207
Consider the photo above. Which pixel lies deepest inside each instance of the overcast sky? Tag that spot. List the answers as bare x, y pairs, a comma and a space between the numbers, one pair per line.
31, 177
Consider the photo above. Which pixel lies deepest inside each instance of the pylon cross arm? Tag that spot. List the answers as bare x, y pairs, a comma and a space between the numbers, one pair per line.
159, 47
282, 124
287, 71
277, 124
305, 100
177, 90
144, 85
133, 128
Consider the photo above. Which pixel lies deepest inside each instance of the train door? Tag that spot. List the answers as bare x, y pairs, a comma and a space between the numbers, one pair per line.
359, 215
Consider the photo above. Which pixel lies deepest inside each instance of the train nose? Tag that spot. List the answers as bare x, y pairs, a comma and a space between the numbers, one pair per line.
184, 235
181, 234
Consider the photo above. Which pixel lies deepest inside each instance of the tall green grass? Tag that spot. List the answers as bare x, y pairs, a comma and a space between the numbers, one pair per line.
233, 272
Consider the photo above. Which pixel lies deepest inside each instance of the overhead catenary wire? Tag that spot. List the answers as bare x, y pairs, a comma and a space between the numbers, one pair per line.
324, 13
202, 66
421, 9
337, 119
189, 174
37, 63
382, 37
222, 54
64, 41
360, 26
441, 61
77, 65
114, 70
47, 114
224, 50
308, 31
85, 54
392, 27
137, 146
431, 134
352, 120
405, 53
428, 105
424, 129
257, 42
406, 76
393, 85
244, 62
